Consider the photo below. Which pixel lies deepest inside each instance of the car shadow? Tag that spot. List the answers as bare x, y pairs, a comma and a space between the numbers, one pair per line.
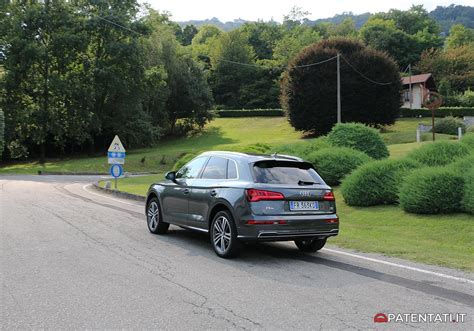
262, 259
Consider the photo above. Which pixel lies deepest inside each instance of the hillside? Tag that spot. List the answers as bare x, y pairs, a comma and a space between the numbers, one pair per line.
445, 16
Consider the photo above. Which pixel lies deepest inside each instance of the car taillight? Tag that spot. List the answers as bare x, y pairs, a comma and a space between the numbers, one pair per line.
254, 195
252, 222
329, 196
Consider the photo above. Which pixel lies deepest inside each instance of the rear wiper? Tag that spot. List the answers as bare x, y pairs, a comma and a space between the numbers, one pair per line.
301, 182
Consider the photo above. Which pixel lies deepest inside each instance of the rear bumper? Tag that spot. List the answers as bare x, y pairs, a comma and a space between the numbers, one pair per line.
295, 227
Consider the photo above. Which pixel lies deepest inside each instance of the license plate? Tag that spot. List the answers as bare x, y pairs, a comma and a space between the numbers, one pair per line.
304, 205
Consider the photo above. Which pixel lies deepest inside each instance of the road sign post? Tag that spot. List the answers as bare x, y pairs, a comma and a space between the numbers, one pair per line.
116, 157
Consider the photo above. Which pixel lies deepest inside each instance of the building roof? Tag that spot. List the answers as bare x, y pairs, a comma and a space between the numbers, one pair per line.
416, 79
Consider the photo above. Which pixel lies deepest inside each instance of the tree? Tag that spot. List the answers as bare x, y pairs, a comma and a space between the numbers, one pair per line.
308, 94
402, 34
459, 35
383, 35
262, 37
292, 42
452, 67
227, 78
184, 98
39, 63
203, 43
188, 34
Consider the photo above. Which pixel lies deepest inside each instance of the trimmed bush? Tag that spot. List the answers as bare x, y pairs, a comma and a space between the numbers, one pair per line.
432, 191
257, 148
462, 166
468, 140
302, 149
468, 200
358, 136
334, 163
183, 160
439, 153
449, 125
376, 183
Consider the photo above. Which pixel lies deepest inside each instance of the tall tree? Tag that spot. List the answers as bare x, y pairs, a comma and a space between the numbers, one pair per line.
459, 35
309, 94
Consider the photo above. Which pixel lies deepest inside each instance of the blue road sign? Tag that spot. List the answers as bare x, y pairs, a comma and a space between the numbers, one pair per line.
116, 170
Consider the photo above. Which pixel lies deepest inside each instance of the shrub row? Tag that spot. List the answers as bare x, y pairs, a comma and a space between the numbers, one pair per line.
441, 112
249, 112
404, 112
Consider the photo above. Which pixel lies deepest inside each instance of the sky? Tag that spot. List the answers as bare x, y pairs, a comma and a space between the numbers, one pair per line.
184, 10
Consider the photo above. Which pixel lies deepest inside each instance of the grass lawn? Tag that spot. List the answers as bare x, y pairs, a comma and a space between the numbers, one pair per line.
444, 240
220, 134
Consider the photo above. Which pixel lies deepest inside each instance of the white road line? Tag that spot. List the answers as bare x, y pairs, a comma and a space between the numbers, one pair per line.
400, 266
104, 196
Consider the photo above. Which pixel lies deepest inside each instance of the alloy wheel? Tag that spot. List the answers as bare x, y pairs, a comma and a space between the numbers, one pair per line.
221, 234
153, 215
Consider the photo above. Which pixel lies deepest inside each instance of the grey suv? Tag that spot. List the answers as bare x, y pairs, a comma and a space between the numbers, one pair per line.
237, 197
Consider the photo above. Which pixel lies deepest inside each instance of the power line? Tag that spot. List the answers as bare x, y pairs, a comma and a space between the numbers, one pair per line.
360, 73
283, 67
119, 25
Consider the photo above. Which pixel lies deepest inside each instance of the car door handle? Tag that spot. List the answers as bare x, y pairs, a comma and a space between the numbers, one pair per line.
213, 193
186, 191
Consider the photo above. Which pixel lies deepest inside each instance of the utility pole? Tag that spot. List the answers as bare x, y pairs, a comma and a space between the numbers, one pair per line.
410, 93
338, 88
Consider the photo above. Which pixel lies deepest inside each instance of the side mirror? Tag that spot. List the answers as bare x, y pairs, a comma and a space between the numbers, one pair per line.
171, 175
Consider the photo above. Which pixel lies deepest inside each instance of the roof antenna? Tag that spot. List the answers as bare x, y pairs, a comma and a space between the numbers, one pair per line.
274, 155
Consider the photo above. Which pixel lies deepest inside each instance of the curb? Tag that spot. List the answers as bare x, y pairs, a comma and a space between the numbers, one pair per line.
119, 194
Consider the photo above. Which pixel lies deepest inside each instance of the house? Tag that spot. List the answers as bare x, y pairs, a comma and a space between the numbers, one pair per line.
415, 88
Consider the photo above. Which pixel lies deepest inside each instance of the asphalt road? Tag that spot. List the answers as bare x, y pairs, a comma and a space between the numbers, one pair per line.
73, 258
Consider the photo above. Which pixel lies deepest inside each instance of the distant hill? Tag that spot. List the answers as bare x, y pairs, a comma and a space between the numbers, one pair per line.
445, 16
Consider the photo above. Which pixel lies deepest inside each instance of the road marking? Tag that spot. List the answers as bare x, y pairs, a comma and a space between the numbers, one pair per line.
104, 196
400, 266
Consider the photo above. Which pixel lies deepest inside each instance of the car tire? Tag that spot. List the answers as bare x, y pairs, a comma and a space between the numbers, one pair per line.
311, 245
223, 235
154, 218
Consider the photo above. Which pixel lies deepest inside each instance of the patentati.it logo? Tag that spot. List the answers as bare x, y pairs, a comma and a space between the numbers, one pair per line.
419, 318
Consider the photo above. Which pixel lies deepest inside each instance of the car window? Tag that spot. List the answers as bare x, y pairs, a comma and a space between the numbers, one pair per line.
216, 168
232, 170
282, 172
192, 169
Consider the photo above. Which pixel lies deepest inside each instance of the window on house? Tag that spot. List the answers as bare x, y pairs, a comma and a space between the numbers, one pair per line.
406, 95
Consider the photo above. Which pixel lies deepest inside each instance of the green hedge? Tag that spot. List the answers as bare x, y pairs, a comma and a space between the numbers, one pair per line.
439, 153
376, 183
334, 163
249, 112
432, 191
441, 112
358, 136
404, 112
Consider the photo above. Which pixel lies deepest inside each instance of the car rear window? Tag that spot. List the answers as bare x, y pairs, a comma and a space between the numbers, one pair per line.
284, 172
